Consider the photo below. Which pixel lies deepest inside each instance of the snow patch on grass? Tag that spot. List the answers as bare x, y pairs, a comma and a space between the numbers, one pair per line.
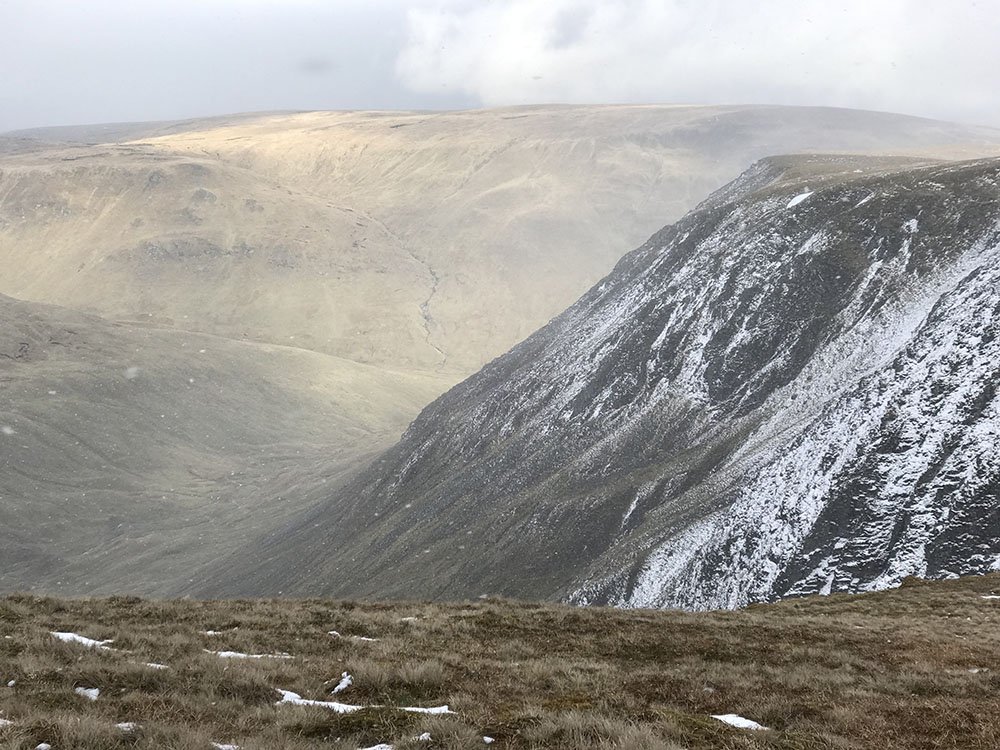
738, 721
82, 640
239, 655
287, 696
345, 682
335, 634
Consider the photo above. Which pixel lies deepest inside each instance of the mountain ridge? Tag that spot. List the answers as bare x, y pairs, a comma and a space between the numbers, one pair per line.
573, 463
352, 266
430, 240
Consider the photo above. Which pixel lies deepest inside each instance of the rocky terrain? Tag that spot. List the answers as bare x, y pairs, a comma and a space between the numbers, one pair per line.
790, 391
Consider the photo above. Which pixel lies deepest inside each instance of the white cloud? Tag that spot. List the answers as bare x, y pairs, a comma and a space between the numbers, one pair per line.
115, 60
936, 59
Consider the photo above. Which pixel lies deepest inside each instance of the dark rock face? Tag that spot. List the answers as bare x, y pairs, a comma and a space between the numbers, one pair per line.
791, 390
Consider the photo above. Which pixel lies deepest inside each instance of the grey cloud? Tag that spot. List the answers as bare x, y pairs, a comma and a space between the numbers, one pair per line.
569, 26
105, 61
316, 65
112, 60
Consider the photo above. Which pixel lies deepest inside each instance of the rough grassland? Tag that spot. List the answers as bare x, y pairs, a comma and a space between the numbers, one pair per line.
914, 668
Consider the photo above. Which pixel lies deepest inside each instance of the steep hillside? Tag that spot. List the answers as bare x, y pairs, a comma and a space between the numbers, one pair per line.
425, 241
916, 668
791, 390
130, 455
340, 270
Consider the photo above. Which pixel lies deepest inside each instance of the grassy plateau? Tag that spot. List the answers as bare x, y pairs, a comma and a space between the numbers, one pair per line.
917, 667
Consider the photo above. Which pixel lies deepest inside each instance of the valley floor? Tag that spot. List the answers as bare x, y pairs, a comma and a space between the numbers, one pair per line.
917, 667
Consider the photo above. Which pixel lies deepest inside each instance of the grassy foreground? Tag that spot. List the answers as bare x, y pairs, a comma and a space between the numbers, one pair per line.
913, 668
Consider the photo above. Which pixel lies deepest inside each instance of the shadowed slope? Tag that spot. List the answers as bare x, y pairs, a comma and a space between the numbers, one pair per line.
130, 455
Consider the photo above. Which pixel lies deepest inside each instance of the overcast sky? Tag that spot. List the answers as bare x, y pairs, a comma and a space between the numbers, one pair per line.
86, 61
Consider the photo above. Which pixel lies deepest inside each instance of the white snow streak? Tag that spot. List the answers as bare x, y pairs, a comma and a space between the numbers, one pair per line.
287, 696
738, 721
83, 640
365, 638
798, 199
238, 655
345, 682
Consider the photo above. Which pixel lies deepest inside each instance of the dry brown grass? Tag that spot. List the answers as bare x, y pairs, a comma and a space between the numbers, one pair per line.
914, 668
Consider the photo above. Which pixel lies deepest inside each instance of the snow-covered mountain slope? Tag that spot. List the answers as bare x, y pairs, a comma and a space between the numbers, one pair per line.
790, 390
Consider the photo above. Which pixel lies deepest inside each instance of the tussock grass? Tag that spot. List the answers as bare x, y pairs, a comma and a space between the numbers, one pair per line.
916, 668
